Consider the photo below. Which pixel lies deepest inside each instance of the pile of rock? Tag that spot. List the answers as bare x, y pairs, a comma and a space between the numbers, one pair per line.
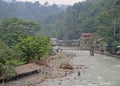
66, 66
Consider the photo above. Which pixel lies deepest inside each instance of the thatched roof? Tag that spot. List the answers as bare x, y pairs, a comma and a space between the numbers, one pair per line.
27, 68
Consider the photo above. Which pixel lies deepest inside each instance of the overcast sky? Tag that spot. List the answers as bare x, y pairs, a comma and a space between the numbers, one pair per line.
66, 2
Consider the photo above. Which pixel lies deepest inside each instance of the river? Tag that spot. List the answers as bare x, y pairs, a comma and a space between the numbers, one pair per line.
100, 70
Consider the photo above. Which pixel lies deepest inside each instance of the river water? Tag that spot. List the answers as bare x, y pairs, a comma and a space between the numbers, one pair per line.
99, 70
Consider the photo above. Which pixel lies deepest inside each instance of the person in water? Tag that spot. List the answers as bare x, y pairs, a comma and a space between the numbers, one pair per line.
78, 73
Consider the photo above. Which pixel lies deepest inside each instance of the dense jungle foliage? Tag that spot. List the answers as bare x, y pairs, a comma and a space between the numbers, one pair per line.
19, 44
20, 40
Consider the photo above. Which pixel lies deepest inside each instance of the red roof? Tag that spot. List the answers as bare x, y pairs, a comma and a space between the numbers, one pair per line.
27, 68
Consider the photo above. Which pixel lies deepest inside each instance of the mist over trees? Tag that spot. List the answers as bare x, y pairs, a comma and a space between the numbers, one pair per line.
47, 15
28, 10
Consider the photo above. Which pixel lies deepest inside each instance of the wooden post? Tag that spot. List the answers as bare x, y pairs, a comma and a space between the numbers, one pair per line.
91, 49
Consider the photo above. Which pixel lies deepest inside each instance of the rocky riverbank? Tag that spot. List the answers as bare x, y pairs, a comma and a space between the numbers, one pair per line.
97, 70
108, 54
57, 66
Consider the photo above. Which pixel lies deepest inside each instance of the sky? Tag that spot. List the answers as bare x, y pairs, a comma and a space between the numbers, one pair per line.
65, 2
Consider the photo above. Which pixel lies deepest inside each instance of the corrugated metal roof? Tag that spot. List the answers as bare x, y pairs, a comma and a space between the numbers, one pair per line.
27, 68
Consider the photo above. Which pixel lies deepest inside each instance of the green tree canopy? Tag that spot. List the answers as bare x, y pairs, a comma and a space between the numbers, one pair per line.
34, 48
11, 29
109, 27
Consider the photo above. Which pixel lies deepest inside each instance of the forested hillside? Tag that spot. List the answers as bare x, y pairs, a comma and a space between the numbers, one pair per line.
21, 41
47, 15
83, 16
63, 22
34, 11
19, 45
99, 17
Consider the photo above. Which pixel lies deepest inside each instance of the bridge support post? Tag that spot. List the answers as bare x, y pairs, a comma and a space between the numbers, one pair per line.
91, 49
91, 52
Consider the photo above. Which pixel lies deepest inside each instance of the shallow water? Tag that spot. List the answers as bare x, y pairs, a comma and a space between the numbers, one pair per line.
99, 70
